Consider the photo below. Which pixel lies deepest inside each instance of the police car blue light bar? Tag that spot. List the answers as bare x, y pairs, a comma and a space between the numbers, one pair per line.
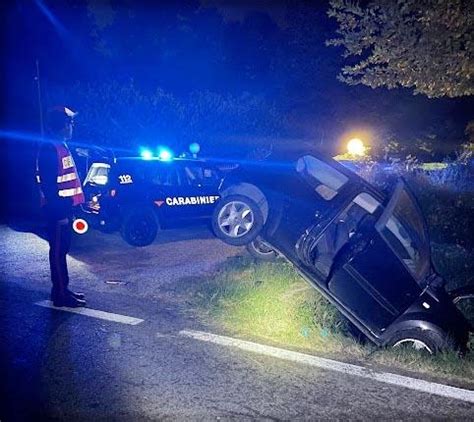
146, 154
165, 154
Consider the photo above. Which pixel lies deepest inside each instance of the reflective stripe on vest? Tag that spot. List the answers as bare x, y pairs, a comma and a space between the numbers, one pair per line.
69, 184
67, 177
60, 179
69, 192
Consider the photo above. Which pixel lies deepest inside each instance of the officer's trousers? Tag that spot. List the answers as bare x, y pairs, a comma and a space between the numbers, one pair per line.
59, 238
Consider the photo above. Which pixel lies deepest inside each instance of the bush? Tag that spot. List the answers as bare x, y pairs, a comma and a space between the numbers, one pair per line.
449, 213
446, 197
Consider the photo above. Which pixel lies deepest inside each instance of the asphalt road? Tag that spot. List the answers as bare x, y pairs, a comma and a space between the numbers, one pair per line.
62, 366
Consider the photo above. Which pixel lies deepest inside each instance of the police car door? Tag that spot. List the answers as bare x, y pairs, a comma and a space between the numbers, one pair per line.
202, 186
169, 194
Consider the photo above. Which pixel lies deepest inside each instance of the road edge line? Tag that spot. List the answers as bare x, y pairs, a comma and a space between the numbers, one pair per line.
334, 365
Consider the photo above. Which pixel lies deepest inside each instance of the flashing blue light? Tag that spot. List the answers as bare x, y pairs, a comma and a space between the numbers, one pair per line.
146, 154
165, 154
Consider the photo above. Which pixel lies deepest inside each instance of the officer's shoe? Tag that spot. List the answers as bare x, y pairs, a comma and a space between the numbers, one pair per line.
77, 295
69, 302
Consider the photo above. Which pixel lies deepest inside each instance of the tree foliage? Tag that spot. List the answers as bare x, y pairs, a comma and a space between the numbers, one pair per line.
422, 44
122, 116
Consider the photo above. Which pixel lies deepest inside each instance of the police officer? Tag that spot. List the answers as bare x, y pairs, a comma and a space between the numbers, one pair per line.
60, 191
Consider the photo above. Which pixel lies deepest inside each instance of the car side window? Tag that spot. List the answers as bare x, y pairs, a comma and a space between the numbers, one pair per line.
325, 180
404, 232
165, 176
341, 230
197, 175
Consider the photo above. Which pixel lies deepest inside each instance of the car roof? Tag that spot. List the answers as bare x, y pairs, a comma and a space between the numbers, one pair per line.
156, 161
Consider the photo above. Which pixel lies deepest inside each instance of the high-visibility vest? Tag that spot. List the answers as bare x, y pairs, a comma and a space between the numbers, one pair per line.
68, 182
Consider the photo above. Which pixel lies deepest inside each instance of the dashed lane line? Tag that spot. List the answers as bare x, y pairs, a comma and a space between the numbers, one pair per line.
93, 313
333, 365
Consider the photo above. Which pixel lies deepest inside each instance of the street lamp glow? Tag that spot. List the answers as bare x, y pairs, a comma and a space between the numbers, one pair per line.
355, 146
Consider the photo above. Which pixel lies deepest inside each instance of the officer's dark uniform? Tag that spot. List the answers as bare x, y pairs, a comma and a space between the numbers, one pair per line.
61, 190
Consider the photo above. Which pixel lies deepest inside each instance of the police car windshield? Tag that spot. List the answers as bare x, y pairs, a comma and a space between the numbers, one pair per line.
98, 174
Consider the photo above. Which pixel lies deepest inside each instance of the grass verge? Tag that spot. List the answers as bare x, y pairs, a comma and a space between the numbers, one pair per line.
271, 303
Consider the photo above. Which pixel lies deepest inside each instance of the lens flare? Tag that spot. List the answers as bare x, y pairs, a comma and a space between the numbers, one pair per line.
355, 146
165, 154
146, 154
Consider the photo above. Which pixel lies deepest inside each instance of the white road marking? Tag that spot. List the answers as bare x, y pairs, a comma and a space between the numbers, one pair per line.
123, 319
333, 365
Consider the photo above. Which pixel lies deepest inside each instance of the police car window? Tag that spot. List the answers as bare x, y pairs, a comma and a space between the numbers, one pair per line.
165, 176
197, 175
98, 174
325, 179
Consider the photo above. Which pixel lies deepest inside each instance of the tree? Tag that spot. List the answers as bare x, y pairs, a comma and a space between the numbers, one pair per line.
427, 45
122, 116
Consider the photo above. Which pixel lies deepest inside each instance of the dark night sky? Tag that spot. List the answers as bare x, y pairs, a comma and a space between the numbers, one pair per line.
270, 50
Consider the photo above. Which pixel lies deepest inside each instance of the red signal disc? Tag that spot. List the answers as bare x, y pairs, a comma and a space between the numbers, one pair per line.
80, 226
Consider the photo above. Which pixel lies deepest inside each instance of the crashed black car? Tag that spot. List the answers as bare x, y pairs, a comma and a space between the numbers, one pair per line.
139, 197
366, 251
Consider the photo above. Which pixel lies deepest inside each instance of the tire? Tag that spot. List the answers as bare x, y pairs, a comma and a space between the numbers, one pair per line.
139, 227
261, 250
237, 220
424, 340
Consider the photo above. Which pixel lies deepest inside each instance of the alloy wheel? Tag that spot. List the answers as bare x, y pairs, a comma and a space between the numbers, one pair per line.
235, 219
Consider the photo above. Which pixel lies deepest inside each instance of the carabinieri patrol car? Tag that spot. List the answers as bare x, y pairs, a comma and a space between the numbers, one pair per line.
141, 196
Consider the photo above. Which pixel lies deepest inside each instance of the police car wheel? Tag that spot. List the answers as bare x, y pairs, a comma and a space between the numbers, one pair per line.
261, 250
237, 220
139, 227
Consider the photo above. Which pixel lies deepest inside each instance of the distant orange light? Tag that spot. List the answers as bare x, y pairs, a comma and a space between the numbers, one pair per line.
355, 146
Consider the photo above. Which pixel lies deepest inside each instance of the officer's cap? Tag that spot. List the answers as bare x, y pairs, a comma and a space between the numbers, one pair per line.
58, 116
